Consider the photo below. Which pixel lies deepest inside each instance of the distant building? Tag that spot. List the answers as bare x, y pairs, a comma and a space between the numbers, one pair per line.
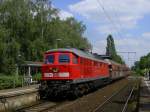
30, 67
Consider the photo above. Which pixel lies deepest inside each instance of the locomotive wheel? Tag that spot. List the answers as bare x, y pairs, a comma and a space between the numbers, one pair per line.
42, 95
74, 94
91, 87
80, 94
86, 88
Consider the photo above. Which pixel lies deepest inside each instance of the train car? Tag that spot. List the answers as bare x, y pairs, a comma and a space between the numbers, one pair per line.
74, 72
117, 71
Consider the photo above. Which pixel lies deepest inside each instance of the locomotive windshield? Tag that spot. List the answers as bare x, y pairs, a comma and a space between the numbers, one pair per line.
64, 58
49, 59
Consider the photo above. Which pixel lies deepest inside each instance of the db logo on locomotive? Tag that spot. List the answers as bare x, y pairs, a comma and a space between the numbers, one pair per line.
55, 70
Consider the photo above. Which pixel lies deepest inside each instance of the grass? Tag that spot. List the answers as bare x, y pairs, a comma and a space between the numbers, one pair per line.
36, 77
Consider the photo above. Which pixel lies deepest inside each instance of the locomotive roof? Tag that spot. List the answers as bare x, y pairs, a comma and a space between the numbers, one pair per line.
112, 62
77, 52
115, 63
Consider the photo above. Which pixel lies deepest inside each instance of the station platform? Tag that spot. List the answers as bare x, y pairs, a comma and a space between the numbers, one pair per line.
18, 91
144, 105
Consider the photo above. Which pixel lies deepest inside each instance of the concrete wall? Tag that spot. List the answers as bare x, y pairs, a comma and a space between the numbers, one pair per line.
16, 102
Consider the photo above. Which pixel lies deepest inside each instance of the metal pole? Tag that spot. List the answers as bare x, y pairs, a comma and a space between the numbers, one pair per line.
57, 42
29, 71
17, 73
128, 53
29, 75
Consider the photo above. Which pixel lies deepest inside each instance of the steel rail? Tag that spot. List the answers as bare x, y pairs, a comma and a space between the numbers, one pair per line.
108, 99
126, 104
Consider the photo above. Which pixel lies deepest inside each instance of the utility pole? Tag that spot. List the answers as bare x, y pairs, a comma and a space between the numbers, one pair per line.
128, 57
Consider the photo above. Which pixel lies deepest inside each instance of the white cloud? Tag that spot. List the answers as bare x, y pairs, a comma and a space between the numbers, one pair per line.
127, 12
65, 14
146, 35
107, 29
100, 47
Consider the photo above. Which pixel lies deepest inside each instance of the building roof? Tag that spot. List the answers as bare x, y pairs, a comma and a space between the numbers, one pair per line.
32, 63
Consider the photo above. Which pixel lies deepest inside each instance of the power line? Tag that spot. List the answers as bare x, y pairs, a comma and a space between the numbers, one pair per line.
115, 27
108, 17
116, 16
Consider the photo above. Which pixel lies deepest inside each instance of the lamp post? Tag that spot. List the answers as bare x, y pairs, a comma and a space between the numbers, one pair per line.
18, 63
57, 42
17, 68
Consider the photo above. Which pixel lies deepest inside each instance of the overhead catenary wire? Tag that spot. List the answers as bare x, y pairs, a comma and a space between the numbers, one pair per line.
109, 18
119, 22
114, 24
116, 16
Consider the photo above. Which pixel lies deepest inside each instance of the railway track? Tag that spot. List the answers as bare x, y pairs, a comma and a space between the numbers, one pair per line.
103, 101
119, 101
91, 101
115, 97
45, 106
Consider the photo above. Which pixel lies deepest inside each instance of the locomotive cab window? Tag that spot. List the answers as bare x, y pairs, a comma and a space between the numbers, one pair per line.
49, 59
75, 59
64, 58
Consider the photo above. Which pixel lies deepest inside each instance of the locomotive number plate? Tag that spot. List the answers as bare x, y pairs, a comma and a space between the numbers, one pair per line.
48, 74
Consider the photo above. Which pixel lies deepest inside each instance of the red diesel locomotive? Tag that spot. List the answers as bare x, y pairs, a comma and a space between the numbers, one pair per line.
75, 72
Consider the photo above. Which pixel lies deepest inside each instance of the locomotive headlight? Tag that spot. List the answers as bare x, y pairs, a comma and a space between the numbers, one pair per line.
64, 74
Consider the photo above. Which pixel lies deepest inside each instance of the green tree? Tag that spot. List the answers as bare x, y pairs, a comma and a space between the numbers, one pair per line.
30, 27
111, 50
143, 65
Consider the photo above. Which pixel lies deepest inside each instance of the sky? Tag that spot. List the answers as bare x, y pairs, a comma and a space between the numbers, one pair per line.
127, 20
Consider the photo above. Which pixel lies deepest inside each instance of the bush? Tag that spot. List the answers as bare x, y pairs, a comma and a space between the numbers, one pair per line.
37, 77
9, 81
